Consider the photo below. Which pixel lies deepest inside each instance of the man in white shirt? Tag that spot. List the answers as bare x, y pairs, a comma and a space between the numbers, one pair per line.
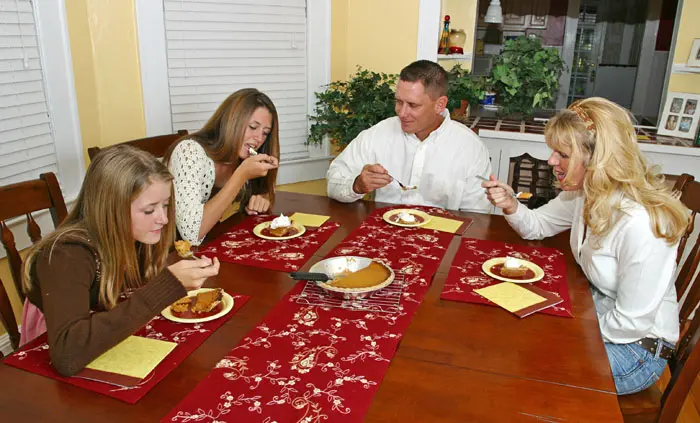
421, 147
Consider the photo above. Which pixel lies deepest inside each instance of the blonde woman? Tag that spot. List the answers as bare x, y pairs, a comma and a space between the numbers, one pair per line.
113, 242
625, 228
222, 156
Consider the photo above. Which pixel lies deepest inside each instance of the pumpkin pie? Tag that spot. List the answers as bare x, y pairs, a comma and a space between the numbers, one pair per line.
513, 268
203, 302
370, 276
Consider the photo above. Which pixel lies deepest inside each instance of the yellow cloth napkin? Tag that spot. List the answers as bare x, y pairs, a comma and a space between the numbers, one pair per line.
135, 356
309, 219
442, 224
230, 210
510, 296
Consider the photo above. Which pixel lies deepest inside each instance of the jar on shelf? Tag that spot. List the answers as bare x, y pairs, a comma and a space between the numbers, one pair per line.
457, 39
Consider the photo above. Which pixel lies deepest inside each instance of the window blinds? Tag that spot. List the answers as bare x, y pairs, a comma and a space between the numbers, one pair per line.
216, 47
26, 139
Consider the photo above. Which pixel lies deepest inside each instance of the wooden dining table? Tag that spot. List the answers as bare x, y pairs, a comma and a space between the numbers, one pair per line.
457, 362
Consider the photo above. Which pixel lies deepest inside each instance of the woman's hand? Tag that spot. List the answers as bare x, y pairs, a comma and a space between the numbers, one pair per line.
500, 195
257, 166
257, 204
193, 273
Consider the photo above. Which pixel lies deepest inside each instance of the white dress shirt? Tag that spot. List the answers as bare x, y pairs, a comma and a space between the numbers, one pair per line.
443, 166
632, 271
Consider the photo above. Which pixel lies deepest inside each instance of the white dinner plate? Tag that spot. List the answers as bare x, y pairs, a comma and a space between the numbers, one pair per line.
422, 214
257, 230
488, 264
228, 305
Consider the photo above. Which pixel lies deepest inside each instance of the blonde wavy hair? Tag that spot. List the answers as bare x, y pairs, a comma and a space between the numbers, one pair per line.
600, 135
102, 216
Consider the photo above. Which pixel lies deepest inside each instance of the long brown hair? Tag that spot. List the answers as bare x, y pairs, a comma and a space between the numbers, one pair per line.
600, 136
102, 216
223, 135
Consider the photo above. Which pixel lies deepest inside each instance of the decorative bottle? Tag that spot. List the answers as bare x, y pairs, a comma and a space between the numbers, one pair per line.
444, 46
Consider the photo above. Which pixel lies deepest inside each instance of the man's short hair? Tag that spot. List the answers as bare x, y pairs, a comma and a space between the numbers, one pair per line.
430, 74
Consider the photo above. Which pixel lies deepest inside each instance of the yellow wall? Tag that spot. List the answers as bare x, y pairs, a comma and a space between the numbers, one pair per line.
687, 32
378, 35
462, 16
104, 48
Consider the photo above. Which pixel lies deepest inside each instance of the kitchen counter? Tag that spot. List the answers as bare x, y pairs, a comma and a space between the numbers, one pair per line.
533, 131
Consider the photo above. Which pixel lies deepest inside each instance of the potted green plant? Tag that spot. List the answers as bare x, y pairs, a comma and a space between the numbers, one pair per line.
525, 76
463, 89
346, 108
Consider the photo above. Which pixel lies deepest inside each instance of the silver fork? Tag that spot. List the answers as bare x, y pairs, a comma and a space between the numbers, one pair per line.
404, 187
514, 194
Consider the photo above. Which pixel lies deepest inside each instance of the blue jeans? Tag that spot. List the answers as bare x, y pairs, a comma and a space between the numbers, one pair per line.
634, 368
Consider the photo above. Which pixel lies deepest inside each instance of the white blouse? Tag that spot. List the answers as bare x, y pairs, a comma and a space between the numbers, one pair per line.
444, 166
194, 175
632, 271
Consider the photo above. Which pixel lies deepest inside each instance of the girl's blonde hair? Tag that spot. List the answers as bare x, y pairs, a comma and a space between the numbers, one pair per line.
600, 135
102, 215
223, 136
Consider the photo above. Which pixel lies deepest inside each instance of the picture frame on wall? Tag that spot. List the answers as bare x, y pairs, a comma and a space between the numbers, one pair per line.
694, 58
681, 115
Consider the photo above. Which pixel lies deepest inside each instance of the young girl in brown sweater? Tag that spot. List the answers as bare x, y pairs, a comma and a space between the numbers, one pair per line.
115, 240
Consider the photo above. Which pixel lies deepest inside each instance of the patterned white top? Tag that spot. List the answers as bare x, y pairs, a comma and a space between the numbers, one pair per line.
194, 175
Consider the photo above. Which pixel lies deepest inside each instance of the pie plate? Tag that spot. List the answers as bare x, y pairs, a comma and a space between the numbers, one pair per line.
337, 266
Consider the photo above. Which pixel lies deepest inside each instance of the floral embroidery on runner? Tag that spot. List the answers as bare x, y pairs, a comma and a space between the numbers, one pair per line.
309, 363
34, 357
466, 274
240, 245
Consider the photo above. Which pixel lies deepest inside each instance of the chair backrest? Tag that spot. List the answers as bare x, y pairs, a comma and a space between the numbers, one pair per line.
535, 176
685, 365
154, 145
22, 199
7, 317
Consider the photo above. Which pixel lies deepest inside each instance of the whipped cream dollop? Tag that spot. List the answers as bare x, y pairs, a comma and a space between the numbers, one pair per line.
511, 263
407, 217
280, 222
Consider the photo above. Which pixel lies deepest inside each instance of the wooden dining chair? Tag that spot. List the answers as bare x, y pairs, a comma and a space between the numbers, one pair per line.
535, 176
154, 145
7, 316
654, 405
23, 199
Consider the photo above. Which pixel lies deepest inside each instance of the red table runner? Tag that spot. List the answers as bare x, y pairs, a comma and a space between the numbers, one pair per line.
34, 357
239, 245
466, 275
307, 363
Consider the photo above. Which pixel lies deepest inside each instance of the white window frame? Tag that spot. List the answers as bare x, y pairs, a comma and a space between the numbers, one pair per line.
62, 104
150, 22
57, 65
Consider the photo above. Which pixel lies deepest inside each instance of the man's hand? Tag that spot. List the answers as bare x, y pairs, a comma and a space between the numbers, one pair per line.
372, 177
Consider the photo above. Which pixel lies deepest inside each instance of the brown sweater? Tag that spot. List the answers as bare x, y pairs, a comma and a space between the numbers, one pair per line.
65, 289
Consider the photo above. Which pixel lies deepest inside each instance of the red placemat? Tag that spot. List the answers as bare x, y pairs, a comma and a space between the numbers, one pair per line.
308, 363
241, 246
34, 357
466, 275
